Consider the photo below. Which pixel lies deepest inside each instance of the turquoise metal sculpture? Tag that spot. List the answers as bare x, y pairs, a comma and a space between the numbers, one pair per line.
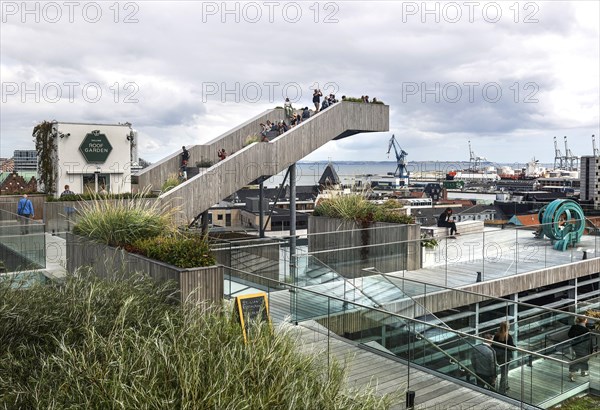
563, 222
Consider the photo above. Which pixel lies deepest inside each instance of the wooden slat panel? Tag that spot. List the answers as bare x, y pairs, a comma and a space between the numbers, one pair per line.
105, 261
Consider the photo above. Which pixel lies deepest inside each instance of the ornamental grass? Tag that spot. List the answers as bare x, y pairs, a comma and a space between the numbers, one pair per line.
125, 343
356, 207
171, 182
121, 222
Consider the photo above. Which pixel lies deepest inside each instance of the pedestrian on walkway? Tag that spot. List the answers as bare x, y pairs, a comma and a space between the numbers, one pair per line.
582, 346
483, 360
25, 212
504, 354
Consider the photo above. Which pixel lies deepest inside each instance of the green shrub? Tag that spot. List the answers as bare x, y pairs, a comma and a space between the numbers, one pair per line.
183, 251
204, 163
354, 99
105, 344
119, 223
251, 139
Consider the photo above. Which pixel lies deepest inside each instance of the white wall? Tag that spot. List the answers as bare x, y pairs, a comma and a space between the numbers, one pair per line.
73, 168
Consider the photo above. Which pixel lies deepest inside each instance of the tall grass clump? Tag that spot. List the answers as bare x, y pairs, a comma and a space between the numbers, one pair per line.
251, 139
98, 344
357, 208
120, 222
171, 182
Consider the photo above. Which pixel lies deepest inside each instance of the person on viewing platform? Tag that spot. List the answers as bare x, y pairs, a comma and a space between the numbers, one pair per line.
222, 154
483, 360
287, 108
305, 113
67, 191
503, 354
374, 100
317, 99
445, 221
325, 104
582, 346
25, 212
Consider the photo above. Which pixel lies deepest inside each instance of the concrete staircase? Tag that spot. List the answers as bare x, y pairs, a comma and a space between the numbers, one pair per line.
263, 159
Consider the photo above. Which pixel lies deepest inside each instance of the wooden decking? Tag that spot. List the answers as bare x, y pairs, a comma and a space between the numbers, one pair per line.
388, 376
497, 253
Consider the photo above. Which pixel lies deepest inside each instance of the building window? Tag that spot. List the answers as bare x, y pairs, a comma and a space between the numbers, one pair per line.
220, 217
89, 183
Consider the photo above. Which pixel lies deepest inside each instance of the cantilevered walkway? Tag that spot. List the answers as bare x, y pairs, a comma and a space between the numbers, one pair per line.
262, 159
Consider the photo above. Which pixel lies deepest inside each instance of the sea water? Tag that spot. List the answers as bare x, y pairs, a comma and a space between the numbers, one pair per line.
309, 173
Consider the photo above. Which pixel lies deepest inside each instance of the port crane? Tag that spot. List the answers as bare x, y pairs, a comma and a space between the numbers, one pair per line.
474, 160
571, 161
401, 171
558, 156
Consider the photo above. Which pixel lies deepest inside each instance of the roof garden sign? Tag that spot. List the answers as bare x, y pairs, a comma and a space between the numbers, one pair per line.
95, 147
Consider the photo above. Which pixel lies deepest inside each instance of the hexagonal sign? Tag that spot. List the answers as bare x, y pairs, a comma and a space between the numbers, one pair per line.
95, 147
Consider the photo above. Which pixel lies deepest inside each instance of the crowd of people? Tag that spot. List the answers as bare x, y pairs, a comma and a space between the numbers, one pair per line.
295, 117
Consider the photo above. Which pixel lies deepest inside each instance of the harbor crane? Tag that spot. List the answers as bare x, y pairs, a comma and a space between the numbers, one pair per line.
571, 161
558, 156
596, 154
474, 160
401, 171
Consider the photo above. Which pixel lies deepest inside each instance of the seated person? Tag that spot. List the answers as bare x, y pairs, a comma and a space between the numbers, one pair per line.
305, 113
283, 127
444, 221
325, 104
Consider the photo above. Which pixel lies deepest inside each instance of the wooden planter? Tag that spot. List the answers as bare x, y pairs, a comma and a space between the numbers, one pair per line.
202, 284
348, 248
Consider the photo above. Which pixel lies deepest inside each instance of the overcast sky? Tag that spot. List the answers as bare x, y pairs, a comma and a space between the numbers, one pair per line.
508, 76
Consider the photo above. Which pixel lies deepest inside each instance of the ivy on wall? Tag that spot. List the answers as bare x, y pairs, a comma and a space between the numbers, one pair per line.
45, 145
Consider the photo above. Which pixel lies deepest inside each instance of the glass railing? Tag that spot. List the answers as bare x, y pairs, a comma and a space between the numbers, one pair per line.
470, 257
539, 378
22, 243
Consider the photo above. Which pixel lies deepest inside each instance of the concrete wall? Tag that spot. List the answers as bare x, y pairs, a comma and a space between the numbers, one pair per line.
400, 246
196, 284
